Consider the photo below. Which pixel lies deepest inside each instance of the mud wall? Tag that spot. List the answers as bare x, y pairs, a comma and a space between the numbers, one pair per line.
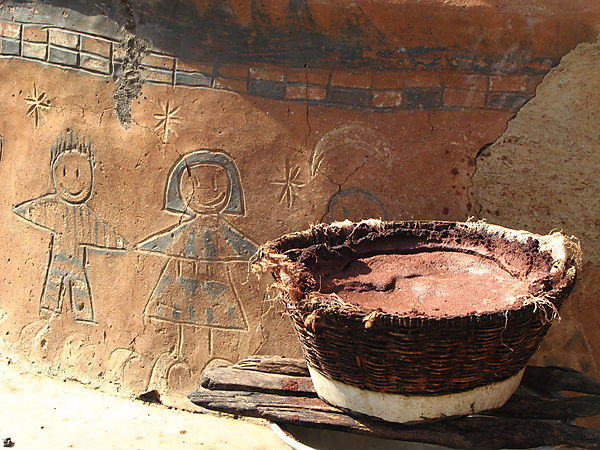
148, 148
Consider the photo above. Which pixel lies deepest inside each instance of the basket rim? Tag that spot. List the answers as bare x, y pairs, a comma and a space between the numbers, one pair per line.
292, 278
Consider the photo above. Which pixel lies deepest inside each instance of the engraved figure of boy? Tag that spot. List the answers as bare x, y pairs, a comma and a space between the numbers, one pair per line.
74, 226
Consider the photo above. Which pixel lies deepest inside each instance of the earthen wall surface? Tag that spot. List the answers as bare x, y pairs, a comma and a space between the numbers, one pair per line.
147, 151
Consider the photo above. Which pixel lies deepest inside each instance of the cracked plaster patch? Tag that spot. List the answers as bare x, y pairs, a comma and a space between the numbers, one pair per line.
542, 173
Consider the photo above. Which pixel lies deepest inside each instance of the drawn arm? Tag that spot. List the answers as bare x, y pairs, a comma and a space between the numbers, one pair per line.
46, 212
95, 233
168, 242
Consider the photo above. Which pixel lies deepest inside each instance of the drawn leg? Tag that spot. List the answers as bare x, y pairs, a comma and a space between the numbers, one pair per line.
81, 297
160, 304
54, 289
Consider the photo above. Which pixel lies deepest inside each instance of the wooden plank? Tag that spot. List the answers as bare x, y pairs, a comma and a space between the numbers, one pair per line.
545, 408
517, 407
266, 407
280, 390
256, 399
233, 379
230, 379
274, 364
554, 378
467, 432
522, 433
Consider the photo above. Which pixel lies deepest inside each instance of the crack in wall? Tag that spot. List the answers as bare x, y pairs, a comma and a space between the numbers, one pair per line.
341, 185
483, 151
126, 10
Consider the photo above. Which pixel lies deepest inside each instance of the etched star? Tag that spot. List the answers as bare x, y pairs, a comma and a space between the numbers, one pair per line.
289, 184
166, 118
38, 104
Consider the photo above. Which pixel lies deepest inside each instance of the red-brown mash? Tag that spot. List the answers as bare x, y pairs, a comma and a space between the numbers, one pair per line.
434, 284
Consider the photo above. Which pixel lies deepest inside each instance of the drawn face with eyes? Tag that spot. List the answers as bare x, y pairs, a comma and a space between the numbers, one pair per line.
72, 176
205, 188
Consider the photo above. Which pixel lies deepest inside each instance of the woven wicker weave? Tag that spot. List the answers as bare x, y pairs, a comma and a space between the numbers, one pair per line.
393, 353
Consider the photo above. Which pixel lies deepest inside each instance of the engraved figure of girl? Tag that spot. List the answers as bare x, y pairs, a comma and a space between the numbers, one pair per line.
75, 227
195, 287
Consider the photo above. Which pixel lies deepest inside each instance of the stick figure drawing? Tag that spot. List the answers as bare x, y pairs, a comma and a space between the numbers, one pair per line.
75, 227
195, 287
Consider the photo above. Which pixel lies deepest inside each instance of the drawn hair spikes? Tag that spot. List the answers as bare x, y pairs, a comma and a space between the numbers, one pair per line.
68, 142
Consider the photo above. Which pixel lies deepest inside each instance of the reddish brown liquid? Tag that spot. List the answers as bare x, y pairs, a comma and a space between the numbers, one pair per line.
434, 284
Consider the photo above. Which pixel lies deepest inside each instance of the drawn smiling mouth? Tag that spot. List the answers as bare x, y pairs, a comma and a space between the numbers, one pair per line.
71, 192
217, 200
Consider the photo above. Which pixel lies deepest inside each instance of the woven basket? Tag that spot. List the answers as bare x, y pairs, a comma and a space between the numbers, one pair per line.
391, 353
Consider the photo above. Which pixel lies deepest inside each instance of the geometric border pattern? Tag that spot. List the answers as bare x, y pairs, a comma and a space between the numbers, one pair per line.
379, 91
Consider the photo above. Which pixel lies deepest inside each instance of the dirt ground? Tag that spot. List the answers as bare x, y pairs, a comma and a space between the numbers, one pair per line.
39, 412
